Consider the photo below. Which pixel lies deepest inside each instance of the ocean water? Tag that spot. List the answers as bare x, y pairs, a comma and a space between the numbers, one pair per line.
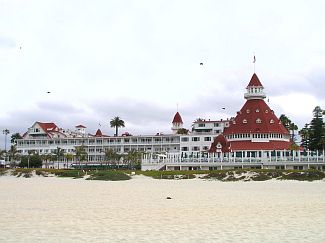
76, 210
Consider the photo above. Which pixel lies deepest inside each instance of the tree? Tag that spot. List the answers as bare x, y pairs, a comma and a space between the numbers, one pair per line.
116, 122
112, 155
316, 129
133, 158
47, 158
68, 157
2, 153
14, 138
289, 125
183, 131
285, 121
305, 136
31, 161
81, 154
58, 153
13, 155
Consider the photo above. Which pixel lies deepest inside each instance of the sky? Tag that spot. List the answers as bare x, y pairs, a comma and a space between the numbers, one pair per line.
140, 60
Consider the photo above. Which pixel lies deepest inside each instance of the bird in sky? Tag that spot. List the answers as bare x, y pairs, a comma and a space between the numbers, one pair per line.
201, 63
48, 92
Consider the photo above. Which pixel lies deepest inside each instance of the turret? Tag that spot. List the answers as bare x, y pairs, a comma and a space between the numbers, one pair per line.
177, 123
255, 89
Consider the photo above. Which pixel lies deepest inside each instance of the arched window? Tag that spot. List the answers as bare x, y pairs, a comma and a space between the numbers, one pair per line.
244, 121
271, 121
258, 120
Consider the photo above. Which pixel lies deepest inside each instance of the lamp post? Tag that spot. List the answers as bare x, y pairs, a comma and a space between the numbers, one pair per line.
5, 132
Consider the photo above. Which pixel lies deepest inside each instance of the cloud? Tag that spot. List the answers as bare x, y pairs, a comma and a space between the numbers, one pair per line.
6, 42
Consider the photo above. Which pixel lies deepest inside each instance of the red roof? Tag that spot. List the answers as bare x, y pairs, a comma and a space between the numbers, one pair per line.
220, 141
255, 117
177, 118
255, 81
99, 133
80, 126
248, 145
47, 126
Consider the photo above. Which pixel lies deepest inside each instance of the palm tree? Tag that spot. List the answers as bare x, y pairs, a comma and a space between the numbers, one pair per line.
2, 153
111, 155
81, 154
58, 154
14, 137
13, 155
68, 157
116, 122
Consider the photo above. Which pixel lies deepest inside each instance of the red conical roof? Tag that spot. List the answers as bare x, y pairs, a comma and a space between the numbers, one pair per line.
255, 82
177, 118
255, 117
99, 133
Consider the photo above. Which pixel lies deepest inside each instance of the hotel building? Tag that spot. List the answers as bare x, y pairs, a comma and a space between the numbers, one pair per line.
254, 138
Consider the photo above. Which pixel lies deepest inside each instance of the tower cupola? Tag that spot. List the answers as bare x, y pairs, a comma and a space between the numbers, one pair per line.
177, 123
255, 89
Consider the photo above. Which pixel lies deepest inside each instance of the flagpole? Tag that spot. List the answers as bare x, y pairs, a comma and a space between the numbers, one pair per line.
254, 61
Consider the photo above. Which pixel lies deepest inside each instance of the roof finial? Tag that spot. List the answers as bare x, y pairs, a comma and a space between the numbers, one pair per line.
177, 107
254, 61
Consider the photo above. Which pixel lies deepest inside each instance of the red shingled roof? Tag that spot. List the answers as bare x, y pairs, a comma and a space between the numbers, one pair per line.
99, 133
255, 81
248, 118
248, 145
177, 118
47, 126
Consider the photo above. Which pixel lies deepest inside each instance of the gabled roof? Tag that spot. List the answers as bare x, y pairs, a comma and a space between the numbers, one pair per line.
255, 117
255, 82
221, 141
177, 118
98, 133
47, 126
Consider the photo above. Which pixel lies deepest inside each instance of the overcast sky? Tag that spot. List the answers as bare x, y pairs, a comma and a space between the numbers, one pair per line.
139, 59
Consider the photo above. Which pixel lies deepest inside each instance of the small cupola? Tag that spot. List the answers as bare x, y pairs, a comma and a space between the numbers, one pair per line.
177, 122
255, 89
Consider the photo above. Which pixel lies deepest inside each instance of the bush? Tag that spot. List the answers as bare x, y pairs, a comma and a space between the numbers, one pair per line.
108, 176
35, 161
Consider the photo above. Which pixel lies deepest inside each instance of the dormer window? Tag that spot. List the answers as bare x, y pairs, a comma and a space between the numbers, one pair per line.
257, 110
271, 121
248, 111
266, 111
258, 120
244, 121
234, 122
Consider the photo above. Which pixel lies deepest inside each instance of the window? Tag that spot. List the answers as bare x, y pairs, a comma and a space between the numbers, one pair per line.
216, 124
184, 139
258, 120
201, 125
257, 110
266, 111
244, 121
248, 111
196, 148
195, 139
184, 148
207, 139
271, 121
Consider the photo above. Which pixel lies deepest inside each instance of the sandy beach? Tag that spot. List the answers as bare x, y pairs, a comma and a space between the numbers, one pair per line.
50, 209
